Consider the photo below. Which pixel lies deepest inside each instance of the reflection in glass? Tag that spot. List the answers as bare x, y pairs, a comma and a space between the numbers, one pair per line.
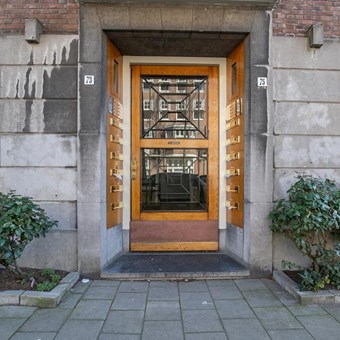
175, 107
174, 179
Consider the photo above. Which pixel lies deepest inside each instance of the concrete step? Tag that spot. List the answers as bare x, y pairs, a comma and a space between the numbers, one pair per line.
174, 266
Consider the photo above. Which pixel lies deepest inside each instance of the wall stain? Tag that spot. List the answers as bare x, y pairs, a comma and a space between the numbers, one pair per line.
28, 112
26, 86
31, 59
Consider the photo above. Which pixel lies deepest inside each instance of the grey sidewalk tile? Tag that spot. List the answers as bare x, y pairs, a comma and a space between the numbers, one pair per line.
250, 284
119, 337
285, 298
105, 283
225, 293
133, 287
272, 285
277, 318
206, 336
221, 283
261, 298
80, 287
46, 320
80, 330
16, 311
321, 326
100, 293
9, 326
201, 321
193, 286
163, 284
291, 334
33, 336
163, 310
333, 310
234, 309
163, 294
299, 310
129, 301
244, 329
124, 322
70, 300
155, 330
91, 310
199, 300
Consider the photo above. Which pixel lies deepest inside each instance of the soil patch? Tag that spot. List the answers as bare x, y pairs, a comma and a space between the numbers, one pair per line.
8, 281
294, 275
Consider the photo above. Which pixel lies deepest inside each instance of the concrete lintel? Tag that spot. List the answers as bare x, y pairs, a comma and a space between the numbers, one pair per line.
263, 4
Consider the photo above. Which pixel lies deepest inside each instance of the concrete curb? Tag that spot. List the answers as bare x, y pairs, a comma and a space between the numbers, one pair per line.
40, 299
306, 298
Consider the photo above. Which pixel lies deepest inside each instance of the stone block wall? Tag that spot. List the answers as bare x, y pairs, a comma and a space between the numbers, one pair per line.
38, 137
293, 17
306, 118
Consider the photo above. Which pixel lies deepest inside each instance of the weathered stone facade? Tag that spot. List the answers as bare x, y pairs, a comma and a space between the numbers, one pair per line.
52, 131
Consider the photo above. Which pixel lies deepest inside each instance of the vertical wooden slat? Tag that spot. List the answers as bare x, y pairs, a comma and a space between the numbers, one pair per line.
114, 135
235, 137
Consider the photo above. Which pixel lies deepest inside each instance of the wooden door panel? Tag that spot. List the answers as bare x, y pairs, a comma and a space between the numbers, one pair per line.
142, 219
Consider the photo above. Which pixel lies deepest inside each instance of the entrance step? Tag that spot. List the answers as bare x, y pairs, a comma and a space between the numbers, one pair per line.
174, 266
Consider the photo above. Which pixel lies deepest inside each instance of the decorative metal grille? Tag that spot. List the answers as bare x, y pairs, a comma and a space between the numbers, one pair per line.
174, 107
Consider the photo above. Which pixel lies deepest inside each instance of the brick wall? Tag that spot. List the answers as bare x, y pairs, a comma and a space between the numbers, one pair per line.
294, 17
56, 16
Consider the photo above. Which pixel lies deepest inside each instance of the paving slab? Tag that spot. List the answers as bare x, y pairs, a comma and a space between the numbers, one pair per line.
198, 300
321, 326
119, 337
16, 311
272, 285
193, 286
277, 318
80, 330
120, 322
105, 283
129, 301
164, 294
70, 300
201, 321
234, 309
97, 293
162, 329
33, 336
242, 329
206, 336
333, 310
163, 284
80, 287
285, 298
221, 283
163, 310
250, 284
223, 293
261, 298
299, 310
9, 326
91, 310
46, 320
133, 287
291, 334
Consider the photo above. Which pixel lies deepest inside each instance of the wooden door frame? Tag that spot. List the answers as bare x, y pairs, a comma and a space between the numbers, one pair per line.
207, 220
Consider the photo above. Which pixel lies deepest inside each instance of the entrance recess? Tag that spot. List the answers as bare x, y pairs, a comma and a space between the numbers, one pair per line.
174, 165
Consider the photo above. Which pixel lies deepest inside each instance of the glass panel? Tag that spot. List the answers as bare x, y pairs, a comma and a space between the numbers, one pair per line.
174, 179
174, 107
234, 79
115, 76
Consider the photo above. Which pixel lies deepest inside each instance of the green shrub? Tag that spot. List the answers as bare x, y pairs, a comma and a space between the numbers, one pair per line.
310, 218
21, 220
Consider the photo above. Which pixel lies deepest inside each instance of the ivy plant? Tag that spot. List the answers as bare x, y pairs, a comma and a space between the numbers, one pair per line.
310, 217
21, 220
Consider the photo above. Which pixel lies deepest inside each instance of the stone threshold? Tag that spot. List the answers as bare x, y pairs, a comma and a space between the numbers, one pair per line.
306, 298
40, 299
